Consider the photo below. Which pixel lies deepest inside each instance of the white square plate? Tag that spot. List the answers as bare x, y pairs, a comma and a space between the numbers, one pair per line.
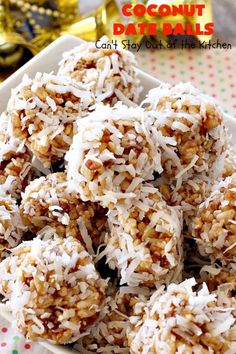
47, 61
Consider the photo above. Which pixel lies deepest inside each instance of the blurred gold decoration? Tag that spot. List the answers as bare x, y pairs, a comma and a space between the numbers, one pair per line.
68, 9
43, 14
20, 20
37, 2
12, 44
90, 27
96, 24
207, 17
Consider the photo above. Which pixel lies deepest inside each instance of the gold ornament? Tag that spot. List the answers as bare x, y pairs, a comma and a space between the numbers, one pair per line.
12, 44
41, 15
98, 23
90, 27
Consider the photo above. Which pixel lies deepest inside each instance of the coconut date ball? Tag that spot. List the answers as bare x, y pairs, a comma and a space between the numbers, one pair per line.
214, 227
43, 111
108, 335
181, 320
52, 288
145, 243
190, 130
110, 74
47, 201
112, 154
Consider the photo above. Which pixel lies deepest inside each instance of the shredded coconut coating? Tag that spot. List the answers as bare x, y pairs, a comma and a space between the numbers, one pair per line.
181, 320
188, 196
15, 160
9, 146
47, 201
214, 227
220, 279
112, 154
190, 130
230, 162
43, 112
145, 242
15, 174
109, 74
108, 335
53, 289
11, 227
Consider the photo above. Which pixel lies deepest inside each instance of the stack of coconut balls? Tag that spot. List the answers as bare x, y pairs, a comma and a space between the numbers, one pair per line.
117, 220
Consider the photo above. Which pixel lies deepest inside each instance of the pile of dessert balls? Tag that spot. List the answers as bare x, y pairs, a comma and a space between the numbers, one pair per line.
117, 220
